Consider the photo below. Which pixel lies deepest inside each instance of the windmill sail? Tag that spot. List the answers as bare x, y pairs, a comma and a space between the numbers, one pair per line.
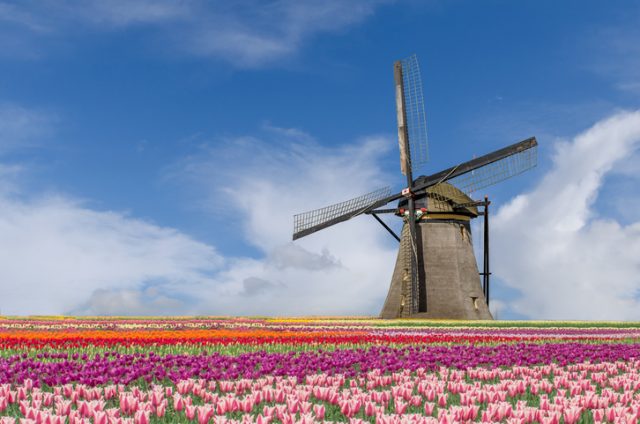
495, 172
414, 115
412, 138
488, 169
403, 142
309, 222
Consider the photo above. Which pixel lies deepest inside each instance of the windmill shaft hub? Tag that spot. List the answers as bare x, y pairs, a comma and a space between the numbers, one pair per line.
440, 200
406, 192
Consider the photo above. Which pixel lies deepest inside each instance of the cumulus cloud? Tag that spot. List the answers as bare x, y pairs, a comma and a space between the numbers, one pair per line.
344, 269
60, 256
569, 259
246, 33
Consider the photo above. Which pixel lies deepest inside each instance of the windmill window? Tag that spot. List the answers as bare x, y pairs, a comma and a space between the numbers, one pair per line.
475, 302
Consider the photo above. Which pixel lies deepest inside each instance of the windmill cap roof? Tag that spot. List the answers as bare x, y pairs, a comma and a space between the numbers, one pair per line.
442, 198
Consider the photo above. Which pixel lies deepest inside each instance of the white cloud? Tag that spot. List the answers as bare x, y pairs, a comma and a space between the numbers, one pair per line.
567, 259
344, 269
247, 33
58, 253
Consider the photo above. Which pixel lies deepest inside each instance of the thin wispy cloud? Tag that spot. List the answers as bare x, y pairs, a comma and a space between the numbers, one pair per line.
22, 127
49, 17
614, 52
245, 34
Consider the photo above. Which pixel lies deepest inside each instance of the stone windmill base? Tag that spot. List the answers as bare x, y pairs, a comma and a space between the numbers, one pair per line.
453, 288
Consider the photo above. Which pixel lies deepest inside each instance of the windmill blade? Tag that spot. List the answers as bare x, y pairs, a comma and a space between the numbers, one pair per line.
309, 222
495, 172
412, 121
488, 169
412, 140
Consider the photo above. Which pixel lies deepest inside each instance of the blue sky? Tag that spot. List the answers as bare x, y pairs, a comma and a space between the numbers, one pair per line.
153, 153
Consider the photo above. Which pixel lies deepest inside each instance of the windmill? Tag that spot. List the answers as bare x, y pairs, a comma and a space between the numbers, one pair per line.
436, 274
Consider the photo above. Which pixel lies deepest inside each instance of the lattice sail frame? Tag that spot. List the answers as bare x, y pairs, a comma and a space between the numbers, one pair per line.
355, 206
415, 113
496, 172
406, 290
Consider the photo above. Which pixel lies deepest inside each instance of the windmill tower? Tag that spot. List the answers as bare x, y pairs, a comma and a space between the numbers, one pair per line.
436, 274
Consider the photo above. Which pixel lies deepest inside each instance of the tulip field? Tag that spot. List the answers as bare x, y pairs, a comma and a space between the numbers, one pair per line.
275, 370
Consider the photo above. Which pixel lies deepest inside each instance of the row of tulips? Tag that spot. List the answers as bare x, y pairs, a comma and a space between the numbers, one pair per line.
483, 327
116, 368
108, 341
249, 335
311, 325
607, 392
205, 322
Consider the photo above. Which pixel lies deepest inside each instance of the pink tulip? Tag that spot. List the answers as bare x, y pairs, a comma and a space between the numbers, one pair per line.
261, 419
268, 411
442, 400
572, 415
190, 412
415, 400
292, 405
161, 409
305, 407
99, 417
345, 408
31, 413
156, 398
400, 406
178, 402
428, 408
319, 411
204, 413
141, 417
221, 408
445, 419
369, 409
